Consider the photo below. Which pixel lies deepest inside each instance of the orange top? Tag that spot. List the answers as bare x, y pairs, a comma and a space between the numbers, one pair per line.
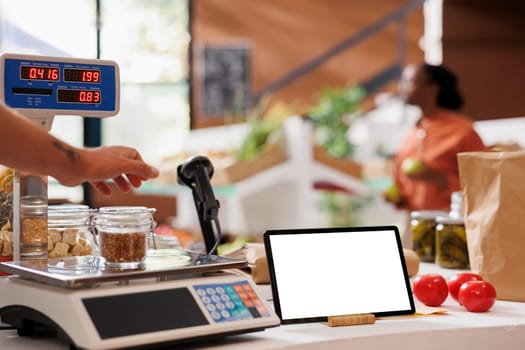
435, 140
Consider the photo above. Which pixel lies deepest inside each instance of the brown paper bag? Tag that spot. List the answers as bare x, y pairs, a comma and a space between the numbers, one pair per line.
493, 187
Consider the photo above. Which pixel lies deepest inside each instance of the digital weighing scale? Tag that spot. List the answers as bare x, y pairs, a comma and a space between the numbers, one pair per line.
177, 296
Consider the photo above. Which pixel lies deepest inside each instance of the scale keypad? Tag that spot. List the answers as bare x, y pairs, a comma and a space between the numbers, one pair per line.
231, 301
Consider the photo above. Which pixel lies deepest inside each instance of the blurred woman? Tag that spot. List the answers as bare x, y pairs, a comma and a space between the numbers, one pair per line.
426, 168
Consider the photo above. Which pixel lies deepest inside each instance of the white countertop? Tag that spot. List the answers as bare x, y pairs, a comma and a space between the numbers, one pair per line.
503, 327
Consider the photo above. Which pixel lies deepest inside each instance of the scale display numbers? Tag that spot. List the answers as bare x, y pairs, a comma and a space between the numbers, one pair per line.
39, 73
82, 75
78, 96
53, 74
60, 85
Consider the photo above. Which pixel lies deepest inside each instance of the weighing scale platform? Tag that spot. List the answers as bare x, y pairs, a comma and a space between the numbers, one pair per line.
177, 296
85, 271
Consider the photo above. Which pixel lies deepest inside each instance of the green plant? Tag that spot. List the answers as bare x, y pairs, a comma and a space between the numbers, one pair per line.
263, 121
332, 117
340, 208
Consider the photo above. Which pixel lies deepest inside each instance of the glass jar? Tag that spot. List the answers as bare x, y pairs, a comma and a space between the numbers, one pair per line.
122, 235
33, 227
456, 205
423, 230
69, 231
451, 243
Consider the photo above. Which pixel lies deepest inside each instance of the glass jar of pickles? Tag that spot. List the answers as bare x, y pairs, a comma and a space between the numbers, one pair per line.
423, 230
69, 230
451, 243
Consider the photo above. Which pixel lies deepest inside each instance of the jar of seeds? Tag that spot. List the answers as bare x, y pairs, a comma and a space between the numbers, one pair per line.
122, 234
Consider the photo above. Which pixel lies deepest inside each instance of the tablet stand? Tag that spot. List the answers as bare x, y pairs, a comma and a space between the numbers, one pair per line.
351, 320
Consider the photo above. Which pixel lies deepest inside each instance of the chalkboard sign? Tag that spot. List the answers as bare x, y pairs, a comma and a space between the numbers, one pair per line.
226, 81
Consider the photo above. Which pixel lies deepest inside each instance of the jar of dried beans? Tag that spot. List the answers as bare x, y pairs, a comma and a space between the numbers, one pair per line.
33, 227
122, 235
69, 231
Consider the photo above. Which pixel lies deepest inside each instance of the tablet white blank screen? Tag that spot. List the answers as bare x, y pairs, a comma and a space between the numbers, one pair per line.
338, 273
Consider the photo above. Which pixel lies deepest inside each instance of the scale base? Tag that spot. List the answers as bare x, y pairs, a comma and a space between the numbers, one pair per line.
137, 315
32, 323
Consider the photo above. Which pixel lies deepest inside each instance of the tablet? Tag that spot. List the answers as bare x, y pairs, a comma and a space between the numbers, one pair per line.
320, 272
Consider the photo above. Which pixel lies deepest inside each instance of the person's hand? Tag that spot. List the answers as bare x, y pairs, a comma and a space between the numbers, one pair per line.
127, 167
122, 164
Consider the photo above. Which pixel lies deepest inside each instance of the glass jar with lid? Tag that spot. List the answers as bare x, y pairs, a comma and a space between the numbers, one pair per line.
423, 231
123, 234
451, 243
456, 205
33, 227
69, 231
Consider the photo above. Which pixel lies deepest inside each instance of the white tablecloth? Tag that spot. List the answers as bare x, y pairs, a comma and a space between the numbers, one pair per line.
503, 327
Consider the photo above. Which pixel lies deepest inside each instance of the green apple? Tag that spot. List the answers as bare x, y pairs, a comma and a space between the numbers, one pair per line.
392, 194
412, 166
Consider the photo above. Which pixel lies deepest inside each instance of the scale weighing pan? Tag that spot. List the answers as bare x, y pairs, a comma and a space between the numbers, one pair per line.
84, 271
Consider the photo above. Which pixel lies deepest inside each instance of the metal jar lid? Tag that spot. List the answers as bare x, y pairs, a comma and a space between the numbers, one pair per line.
33, 206
450, 220
427, 214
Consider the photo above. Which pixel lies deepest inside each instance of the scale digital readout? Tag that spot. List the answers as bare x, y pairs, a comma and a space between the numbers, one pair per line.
48, 86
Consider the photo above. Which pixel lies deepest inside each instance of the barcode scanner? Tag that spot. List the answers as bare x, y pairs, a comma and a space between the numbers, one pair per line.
196, 173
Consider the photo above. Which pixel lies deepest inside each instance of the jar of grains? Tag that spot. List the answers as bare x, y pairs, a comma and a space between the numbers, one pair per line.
423, 229
122, 235
69, 229
33, 227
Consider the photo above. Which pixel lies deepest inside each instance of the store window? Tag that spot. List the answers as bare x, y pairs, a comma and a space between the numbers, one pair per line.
149, 40
154, 115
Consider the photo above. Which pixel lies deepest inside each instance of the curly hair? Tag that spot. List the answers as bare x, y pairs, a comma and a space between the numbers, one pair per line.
448, 96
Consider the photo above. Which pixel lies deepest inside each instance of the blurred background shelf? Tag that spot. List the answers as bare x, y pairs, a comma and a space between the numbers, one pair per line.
275, 191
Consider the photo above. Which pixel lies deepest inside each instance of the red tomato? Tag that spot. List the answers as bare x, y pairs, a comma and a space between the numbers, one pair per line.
430, 289
477, 296
456, 281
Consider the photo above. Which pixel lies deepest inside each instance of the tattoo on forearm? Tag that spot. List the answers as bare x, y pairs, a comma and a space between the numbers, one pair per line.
70, 153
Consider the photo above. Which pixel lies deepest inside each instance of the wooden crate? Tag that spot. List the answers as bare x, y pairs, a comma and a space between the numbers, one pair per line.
226, 173
347, 166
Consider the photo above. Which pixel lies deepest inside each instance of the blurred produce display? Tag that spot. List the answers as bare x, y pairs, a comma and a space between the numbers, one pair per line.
265, 122
332, 117
261, 147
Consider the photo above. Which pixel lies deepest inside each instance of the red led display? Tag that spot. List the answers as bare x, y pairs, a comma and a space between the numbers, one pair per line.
39, 73
82, 75
78, 96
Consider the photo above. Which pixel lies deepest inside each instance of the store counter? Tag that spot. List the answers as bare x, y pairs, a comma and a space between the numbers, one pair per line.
503, 327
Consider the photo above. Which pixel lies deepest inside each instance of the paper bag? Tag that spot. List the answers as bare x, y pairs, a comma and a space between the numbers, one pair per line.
493, 188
